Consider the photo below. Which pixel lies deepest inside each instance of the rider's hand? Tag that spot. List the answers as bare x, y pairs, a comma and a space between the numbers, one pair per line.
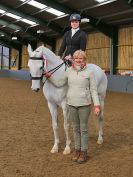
68, 57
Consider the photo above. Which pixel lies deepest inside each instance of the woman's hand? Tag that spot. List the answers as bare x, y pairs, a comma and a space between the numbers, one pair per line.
97, 110
48, 74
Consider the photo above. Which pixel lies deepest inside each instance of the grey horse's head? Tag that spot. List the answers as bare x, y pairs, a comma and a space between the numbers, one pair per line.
35, 65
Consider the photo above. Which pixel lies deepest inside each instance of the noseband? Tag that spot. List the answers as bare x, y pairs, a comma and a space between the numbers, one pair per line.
36, 78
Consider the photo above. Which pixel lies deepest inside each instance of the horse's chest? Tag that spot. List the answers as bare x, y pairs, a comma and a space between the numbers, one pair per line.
53, 93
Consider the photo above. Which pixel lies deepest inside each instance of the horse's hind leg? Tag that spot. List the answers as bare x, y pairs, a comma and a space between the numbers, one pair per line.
67, 149
53, 111
100, 121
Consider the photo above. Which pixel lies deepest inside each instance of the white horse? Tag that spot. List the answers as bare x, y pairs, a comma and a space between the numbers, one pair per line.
44, 59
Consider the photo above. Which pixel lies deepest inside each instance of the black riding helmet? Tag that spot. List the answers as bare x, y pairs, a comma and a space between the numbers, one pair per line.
76, 17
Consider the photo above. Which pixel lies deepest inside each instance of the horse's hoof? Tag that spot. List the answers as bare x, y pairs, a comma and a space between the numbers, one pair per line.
66, 151
54, 151
99, 141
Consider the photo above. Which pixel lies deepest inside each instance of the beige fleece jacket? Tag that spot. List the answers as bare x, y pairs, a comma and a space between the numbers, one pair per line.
82, 89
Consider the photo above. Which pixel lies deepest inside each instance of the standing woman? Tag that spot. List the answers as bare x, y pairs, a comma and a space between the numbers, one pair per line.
82, 91
74, 39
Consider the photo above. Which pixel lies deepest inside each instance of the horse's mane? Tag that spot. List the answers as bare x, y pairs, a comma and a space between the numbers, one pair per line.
49, 53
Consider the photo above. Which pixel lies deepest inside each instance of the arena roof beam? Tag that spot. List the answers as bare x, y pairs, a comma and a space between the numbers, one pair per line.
130, 2
98, 5
6, 41
34, 35
54, 4
10, 35
99, 25
116, 14
10, 25
5, 35
27, 40
54, 27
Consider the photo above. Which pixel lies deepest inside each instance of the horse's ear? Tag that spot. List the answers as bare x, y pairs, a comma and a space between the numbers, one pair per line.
29, 49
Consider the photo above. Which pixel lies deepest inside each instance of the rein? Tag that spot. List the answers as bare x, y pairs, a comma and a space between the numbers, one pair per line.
53, 70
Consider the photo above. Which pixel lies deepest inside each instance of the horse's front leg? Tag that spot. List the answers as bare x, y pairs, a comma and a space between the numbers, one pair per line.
100, 121
67, 149
53, 111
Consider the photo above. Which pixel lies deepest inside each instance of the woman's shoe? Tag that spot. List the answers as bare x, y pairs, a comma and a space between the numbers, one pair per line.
83, 157
76, 155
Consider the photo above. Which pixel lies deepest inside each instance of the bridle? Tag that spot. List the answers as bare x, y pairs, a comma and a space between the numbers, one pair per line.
44, 73
36, 78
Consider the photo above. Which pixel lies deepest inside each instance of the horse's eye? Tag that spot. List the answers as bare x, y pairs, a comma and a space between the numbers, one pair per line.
41, 67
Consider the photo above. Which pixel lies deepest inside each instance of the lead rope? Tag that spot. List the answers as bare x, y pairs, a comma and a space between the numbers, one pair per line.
38, 103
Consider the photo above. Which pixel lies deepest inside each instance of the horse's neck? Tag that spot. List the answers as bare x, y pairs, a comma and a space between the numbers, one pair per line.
57, 72
53, 61
51, 57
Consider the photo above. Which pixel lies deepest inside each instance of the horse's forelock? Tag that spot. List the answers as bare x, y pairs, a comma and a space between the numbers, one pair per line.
36, 53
